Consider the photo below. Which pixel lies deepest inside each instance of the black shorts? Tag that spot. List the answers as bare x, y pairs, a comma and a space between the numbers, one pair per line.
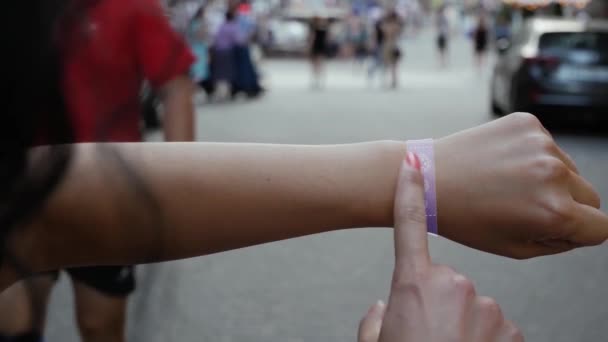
114, 281
361, 51
319, 50
442, 42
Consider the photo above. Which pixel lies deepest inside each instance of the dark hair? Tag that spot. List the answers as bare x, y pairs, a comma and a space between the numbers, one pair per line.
35, 35
34, 112
230, 15
199, 12
34, 109
392, 15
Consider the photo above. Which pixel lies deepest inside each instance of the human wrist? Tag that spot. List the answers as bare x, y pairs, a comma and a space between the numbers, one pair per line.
385, 159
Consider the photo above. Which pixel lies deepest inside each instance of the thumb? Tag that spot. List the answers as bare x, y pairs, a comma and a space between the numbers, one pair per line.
371, 324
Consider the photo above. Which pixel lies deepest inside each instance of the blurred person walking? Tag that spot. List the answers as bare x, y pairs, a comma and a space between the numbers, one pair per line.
197, 35
223, 56
357, 38
392, 27
443, 34
318, 49
108, 49
246, 79
376, 43
480, 42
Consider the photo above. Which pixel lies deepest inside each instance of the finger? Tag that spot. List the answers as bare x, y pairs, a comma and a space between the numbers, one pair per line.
565, 157
561, 154
371, 324
489, 318
583, 192
591, 226
411, 245
510, 333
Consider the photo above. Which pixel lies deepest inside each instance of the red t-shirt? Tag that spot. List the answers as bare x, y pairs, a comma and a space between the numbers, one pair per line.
107, 57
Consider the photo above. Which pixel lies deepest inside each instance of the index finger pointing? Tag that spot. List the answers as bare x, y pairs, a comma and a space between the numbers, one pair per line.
411, 243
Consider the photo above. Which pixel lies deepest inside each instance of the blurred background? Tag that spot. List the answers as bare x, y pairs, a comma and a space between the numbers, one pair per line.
337, 71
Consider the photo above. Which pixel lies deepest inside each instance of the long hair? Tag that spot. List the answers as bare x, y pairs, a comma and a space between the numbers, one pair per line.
34, 109
35, 113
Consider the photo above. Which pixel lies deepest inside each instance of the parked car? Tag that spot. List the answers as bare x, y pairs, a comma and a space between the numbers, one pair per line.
552, 66
289, 33
288, 36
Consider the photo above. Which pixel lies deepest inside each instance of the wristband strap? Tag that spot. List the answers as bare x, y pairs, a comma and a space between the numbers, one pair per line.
425, 151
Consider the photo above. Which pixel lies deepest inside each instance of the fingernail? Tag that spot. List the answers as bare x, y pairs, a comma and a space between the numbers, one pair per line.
412, 160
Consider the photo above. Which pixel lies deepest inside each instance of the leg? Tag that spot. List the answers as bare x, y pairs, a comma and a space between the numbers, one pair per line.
394, 74
321, 71
23, 309
314, 60
208, 86
101, 295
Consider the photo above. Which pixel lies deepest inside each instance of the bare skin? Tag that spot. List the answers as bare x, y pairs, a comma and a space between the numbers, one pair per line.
503, 187
100, 317
179, 123
429, 302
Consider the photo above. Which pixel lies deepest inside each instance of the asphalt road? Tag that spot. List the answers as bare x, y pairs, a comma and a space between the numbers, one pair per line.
317, 288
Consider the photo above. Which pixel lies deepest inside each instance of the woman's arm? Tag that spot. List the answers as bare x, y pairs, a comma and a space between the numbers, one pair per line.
503, 187
134, 203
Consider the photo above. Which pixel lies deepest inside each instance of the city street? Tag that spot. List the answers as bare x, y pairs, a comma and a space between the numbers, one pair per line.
317, 288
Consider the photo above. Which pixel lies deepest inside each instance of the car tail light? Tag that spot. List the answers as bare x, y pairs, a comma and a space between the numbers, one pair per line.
545, 62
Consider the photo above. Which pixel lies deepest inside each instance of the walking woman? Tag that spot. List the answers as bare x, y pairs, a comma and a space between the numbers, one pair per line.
392, 28
223, 60
318, 50
480, 36
443, 33
198, 38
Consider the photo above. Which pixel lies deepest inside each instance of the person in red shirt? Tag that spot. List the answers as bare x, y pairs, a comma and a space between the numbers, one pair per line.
109, 48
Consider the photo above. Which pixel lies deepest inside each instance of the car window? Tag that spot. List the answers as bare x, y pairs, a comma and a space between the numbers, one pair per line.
596, 41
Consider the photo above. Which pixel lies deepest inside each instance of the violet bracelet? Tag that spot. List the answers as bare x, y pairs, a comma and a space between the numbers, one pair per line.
425, 151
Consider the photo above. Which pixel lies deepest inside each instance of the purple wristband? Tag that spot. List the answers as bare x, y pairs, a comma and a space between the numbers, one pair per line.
424, 150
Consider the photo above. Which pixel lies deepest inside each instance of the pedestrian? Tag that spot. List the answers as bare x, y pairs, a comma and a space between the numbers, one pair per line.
246, 79
318, 49
392, 27
377, 62
223, 58
197, 36
480, 42
357, 37
443, 34
108, 49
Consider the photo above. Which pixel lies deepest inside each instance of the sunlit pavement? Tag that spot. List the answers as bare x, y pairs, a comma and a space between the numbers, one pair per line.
317, 288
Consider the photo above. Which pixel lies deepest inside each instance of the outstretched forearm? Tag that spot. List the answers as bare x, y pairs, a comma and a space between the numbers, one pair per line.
503, 187
134, 203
